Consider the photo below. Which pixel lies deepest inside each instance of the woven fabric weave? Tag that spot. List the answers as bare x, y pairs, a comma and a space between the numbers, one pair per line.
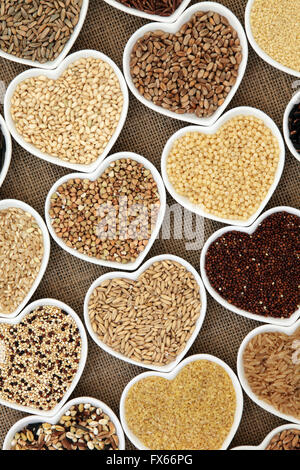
67, 278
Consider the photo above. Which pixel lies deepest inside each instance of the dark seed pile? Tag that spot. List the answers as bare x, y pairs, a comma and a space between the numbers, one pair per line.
153, 7
37, 30
82, 427
259, 273
2, 149
294, 127
39, 358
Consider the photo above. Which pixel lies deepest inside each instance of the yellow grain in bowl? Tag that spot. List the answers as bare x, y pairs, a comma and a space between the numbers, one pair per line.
275, 25
194, 411
227, 174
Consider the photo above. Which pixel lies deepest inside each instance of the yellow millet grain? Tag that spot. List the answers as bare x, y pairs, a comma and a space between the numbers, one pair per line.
228, 174
275, 26
194, 411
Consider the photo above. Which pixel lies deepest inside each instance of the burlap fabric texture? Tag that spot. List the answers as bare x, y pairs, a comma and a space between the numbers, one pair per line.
29, 179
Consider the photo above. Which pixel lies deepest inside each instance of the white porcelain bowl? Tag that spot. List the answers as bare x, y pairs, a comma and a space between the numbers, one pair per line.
216, 295
259, 51
54, 74
172, 28
148, 16
241, 372
184, 201
269, 437
54, 63
8, 150
135, 276
93, 176
295, 100
10, 203
81, 365
20, 425
170, 376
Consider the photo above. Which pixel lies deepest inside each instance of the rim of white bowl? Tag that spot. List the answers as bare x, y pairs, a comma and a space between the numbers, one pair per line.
22, 423
263, 445
270, 320
242, 110
295, 100
259, 51
50, 65
173, 27
135, 276
54, 74
241, 373
148, 16
14, 203
171, 375
8, 150
92, 176
84, 350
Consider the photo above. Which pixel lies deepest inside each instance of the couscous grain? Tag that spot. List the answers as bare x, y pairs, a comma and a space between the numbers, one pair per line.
228, 173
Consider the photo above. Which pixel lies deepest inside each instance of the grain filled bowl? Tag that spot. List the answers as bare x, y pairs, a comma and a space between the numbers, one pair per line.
286, 129
222, 101
166, 299
57, 363
272, 438
149, 16
217, 390
64, 117
35, 421
27, 289
266, 57
216, 294
67, 47
154, 203
5, 150
275, 356
227, 167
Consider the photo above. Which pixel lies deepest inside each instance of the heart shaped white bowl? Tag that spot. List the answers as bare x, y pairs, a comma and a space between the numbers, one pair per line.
8, 150
81, 365
245, 111
269, 437
9, 203
295, 100
148, 16
54, 74
172, 28
54, 63
170, 376
241, 372
216, 295
22, 423
134, 276
92, 177
259, 51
